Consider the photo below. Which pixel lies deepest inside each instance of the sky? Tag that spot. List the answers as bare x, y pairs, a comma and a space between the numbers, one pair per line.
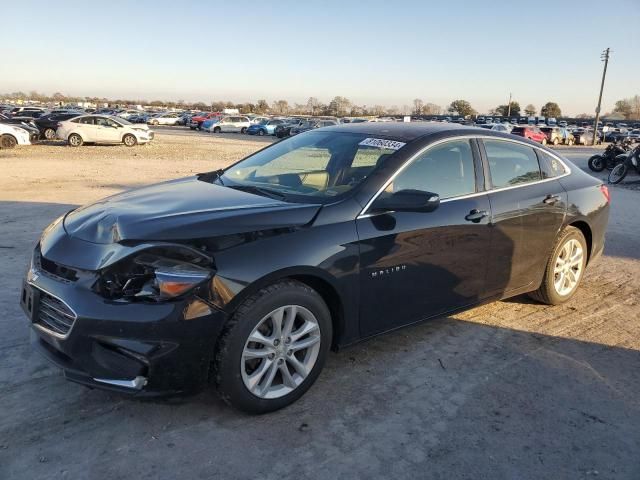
372, 52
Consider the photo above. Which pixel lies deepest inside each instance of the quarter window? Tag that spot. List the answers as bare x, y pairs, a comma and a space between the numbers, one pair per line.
446, 169
511, 163
550, 166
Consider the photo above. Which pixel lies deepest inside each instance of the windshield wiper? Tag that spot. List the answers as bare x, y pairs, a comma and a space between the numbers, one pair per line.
265, 192
211, 176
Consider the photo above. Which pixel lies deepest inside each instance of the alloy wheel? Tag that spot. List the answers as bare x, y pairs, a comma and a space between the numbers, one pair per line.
568, 267
280, 352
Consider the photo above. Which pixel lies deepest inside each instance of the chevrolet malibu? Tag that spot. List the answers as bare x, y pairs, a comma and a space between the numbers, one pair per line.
246, 277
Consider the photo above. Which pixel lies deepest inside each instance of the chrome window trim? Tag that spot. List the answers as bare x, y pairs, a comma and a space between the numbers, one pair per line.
363, 213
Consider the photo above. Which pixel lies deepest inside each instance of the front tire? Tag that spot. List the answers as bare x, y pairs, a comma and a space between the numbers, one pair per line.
544, 141
618, 173
243, 130
8, 141
216, 130
565, 268
261, 132
273, 348
75, 140
556, 141
596, 163
129, 140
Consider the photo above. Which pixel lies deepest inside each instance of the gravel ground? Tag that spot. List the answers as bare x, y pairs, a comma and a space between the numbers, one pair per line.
512, 390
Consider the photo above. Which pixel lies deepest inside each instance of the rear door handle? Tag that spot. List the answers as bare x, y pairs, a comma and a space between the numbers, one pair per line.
476, 215
551, 199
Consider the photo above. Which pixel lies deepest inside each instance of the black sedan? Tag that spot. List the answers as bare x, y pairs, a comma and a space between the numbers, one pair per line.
248, 276
48, 124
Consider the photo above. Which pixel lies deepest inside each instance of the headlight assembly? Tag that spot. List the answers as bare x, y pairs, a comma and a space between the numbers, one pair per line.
154, 277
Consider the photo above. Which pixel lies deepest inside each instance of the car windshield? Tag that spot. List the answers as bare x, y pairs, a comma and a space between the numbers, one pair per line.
312, 167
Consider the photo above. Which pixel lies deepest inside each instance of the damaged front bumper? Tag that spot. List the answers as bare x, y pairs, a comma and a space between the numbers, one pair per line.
143, 348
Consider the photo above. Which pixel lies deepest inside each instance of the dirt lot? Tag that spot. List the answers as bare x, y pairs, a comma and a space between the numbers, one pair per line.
509, 390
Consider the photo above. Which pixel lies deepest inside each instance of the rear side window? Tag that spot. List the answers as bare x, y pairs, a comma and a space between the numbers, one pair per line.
511, 163
550, 166
86, 120
446, 169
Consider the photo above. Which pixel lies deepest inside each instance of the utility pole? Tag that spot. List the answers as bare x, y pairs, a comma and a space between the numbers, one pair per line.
604, 56
509, 106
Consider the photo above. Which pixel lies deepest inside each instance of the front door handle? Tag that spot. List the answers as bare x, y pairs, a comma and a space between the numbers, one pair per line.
476, 215
551, 199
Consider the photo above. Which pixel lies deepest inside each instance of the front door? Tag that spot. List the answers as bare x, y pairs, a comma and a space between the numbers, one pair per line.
415, 265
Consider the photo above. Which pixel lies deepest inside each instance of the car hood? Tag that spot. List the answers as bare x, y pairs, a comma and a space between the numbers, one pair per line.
180, 210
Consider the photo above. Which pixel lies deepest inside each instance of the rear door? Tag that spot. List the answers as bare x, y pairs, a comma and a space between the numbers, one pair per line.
414, 264
87, 129
528, 206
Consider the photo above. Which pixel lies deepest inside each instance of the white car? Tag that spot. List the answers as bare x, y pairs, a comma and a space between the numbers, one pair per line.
12, 135
103, 129
255, 120
230, 124
502, 127
168, 118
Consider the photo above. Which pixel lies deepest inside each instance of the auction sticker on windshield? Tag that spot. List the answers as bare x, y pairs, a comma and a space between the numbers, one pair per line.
382, 143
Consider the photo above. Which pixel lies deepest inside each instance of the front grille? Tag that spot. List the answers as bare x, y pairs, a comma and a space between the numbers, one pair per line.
54, 315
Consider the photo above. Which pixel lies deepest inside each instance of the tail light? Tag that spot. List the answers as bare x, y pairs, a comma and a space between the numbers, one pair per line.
605, 191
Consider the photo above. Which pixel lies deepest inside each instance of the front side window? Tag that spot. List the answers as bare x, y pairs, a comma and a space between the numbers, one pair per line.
311, 167
511, 163
446, 169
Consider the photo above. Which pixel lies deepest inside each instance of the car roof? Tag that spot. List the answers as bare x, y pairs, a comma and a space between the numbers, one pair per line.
407, 131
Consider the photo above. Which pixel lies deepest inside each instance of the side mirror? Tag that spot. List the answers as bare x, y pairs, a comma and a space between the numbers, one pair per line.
408, 201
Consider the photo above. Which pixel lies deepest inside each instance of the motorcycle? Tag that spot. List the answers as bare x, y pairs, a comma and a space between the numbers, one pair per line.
625, 162
607, 160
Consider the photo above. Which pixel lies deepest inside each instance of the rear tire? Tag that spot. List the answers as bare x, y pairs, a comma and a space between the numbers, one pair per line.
8, 141
544, 141
75, 140
596, 163
49, 134
557, 268
243, 130
129, 140
556, 141
261, 132
618, 173
238, 358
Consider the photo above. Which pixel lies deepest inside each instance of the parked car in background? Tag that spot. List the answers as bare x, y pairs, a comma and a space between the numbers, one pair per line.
231, 124
502, 127
265, 127
21, 110
197, 120
103, 129
28, 115
554, 135
284, 130
167, 118
48, 124
312, 125
567, 136
531, 132
13, 135
634, 135
584, 136
258, 119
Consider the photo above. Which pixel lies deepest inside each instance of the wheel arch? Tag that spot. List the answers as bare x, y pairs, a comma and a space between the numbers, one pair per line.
317, 279
585, 228
9, 135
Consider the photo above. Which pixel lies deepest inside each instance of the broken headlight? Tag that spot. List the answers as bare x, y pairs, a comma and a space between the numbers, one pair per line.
152, 277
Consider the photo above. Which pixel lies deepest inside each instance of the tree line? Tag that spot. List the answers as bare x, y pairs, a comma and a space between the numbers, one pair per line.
338, 106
